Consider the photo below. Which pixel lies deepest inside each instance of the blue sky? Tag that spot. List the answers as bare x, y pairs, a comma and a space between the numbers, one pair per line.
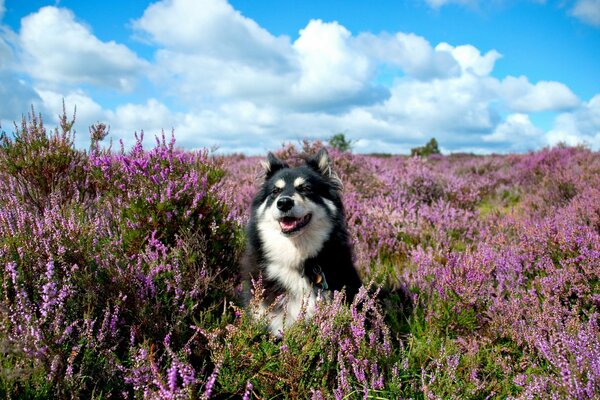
247, 75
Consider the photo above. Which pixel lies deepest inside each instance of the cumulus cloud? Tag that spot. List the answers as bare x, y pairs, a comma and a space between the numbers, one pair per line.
411, 53
470, 59
523, 96
516, 133
455, 111
241, 88
331, 69
215, 29
88, 110
581, 126
213, 53
588, 11
17, 96
151, 116
125, 119
59, 50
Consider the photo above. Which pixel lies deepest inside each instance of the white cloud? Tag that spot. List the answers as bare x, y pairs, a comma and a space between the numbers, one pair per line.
588, 11
213, 28
410, 52
443, 107
516, 133
436, 4
213, 53
522, 96
88, 110
241, 88
2, 9
58, 50
152, 117
581, 126
16, 97
331, 70
209, 51
470, 59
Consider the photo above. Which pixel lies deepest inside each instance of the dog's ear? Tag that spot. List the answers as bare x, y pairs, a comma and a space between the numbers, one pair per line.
272, 164
321, 163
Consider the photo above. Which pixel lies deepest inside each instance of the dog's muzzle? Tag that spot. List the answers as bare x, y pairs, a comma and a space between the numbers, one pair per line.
290, 225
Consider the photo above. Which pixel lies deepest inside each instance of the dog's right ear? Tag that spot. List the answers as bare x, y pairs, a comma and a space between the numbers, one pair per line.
272, 164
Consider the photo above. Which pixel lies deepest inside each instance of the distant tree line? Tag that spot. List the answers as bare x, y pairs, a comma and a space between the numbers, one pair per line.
340, 142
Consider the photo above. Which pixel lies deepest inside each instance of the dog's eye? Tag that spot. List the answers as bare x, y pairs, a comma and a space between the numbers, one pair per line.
303, 189
275, 191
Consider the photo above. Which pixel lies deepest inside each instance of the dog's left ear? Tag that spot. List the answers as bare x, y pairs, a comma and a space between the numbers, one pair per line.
272, 165
321, 163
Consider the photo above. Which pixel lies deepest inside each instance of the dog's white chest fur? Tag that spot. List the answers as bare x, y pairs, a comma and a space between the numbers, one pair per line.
286, 261
299, 298
285, 264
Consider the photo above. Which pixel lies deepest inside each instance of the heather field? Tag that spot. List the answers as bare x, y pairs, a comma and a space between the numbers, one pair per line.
118, 271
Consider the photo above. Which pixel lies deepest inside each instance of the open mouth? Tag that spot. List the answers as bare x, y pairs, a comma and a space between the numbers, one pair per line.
291, 224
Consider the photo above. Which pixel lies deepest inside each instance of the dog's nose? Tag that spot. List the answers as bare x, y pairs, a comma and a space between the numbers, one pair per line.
285, 203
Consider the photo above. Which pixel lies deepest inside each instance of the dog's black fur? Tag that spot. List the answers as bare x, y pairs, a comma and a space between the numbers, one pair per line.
322, 191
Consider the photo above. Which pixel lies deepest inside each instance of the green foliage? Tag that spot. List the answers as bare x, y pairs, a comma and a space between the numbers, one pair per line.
310, 355
424, 151
460, 368
42, 164
249, 355
339, 142
500, 203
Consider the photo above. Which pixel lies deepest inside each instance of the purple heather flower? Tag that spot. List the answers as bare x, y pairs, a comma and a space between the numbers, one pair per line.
210, 384
248, 392
172, 378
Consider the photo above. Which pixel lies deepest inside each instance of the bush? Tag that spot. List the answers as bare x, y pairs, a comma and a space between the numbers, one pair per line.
425, 151
39, 164
339, 142
102, 255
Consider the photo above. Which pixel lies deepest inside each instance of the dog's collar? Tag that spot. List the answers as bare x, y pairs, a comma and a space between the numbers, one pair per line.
317, 278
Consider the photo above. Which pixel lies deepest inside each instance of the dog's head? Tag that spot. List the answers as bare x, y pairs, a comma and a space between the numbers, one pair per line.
300, 199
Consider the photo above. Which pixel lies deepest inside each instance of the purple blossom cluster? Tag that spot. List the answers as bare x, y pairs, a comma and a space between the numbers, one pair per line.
357, 340
101, 260
121, 265
495, 249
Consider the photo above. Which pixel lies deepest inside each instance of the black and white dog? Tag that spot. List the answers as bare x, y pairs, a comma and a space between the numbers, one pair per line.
297, 241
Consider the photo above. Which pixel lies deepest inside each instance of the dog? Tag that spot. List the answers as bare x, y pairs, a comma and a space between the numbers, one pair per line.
297, 241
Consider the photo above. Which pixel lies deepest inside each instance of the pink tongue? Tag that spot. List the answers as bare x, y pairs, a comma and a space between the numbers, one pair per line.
288, 224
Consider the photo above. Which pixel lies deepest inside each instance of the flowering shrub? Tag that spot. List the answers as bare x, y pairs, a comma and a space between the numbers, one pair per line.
118, 275
501, 257
142, 249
